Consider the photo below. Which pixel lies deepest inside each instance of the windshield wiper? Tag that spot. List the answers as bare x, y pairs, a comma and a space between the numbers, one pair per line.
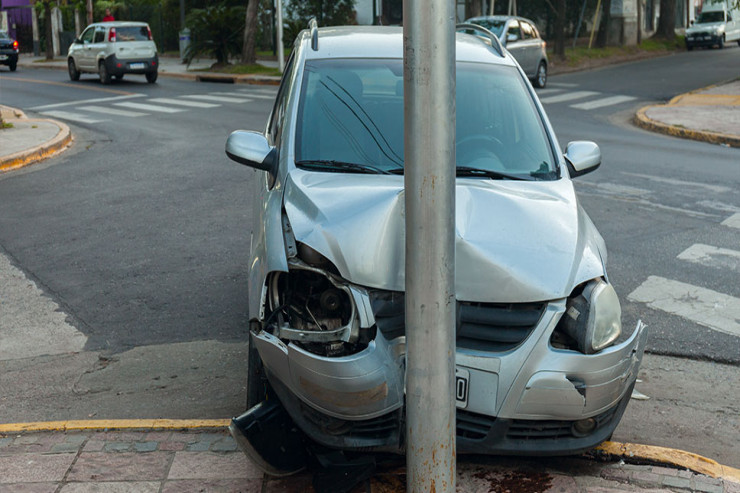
333, 165
487, 173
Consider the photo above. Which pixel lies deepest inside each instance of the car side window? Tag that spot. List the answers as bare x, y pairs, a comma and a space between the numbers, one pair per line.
515, 30
87, 36
527, 32
278, 112
99, 35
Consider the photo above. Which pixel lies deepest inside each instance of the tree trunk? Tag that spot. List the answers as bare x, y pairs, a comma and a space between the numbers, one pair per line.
667, 21
472, 8
603, 35
47, 22
250, 33
560, 30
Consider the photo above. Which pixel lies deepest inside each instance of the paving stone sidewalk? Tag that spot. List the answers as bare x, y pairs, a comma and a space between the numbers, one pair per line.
204, 461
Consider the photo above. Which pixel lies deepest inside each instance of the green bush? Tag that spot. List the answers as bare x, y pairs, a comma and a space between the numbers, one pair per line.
216, 32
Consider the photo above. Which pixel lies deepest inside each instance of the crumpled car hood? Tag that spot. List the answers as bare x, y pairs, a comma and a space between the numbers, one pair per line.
516, 241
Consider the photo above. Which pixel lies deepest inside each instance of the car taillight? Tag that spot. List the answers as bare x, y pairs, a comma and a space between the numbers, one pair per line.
149, 32
112, 35
15, 45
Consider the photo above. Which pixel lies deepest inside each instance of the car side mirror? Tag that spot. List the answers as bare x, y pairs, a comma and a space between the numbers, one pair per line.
511, 37
251, 149
582, 157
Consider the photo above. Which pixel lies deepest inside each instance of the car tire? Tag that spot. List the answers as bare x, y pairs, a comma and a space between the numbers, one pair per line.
721, 43
74, 74
689, 47
12, 67
151, 77
738, 42
119, 76
103, 73
540, 80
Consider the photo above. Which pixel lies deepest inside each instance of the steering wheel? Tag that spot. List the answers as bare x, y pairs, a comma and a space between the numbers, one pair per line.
479, 147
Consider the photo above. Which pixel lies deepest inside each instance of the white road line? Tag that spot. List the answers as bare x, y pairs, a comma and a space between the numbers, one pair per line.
180, 102
220, 99
68, 115
107, 110
709, 308
149, 107
568, 96
85, 101
31, 323
600, 103
545, 92
733, 221
681, 183
264, 90
561, 84
239, 95
711, 256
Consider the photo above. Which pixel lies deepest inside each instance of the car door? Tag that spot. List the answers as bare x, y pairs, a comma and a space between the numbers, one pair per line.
82, 51
513, 37
530, 48
98, 46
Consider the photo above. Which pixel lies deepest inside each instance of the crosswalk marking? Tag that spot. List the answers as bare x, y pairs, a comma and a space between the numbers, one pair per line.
733, 221
568, 96
180, 102
562, 84
68, 115
709, 308
600, 103
149, 107
711, 256
221, 99
107, 110
545, 92
250, 95
95, 100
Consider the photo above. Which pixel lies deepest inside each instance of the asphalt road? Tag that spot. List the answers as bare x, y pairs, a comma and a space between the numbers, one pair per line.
137, 235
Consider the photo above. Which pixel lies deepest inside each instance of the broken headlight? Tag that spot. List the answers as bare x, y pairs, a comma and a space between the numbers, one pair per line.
593, 317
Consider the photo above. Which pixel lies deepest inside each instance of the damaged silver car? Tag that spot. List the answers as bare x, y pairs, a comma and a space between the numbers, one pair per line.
539, 368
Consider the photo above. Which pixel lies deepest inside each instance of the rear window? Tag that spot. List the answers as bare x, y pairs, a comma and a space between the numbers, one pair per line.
135, 33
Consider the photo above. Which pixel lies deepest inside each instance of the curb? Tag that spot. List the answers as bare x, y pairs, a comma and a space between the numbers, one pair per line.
629, 451
643, 121
675, 457
261, 80
30, 156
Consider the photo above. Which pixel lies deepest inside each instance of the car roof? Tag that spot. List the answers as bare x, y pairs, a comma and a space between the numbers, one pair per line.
120, 24
387, 42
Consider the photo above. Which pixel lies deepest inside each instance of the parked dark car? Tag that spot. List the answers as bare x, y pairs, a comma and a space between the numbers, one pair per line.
8, 51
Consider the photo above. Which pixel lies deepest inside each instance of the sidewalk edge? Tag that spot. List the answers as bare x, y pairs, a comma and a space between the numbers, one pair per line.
675, 457
48, 149
643, 121
114, 424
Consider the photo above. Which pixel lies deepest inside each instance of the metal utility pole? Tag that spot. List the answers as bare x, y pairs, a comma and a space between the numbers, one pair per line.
280, 50
429, 140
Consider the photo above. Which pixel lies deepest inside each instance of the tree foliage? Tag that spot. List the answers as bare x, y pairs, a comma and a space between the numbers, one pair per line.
327, 12
216, 32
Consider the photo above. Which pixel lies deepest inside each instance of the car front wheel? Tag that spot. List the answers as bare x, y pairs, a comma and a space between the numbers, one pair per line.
74, 74
541, 79
103, 73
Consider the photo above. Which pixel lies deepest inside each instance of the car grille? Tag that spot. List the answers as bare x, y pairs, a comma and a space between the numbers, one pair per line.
496, 327
473, 426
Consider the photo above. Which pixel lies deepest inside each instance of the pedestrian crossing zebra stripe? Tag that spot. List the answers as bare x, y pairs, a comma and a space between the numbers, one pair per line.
181, 102
74, 117
149, 107
717, 311
568, 96
220, 99
732, 221
711, 256
107, 110
601, 103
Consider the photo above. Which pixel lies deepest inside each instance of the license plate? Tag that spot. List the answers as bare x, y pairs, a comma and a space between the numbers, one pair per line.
462, 383
136, 66
3, 57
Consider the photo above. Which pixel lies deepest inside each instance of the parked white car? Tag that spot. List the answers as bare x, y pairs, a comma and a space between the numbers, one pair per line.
717, 24
113, 49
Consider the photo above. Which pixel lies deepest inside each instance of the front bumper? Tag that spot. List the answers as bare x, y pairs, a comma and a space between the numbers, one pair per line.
120, 66
522, 401
703, 39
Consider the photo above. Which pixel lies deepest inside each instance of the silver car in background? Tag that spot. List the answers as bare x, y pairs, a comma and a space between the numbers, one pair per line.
540, 370
522, 38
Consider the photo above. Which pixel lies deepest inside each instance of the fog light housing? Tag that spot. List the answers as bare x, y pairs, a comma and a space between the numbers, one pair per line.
583, 427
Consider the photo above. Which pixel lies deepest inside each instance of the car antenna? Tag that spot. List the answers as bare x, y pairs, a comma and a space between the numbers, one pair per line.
314, 27
481, 32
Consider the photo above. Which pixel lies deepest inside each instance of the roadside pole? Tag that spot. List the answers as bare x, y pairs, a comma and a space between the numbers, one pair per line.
429, 140
280, 50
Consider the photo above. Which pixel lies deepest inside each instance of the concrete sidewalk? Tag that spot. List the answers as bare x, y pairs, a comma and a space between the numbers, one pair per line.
182, 457
170, 67
711, 114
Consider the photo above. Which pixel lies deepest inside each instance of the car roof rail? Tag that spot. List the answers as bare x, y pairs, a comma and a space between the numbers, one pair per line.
314, 27
484, 33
